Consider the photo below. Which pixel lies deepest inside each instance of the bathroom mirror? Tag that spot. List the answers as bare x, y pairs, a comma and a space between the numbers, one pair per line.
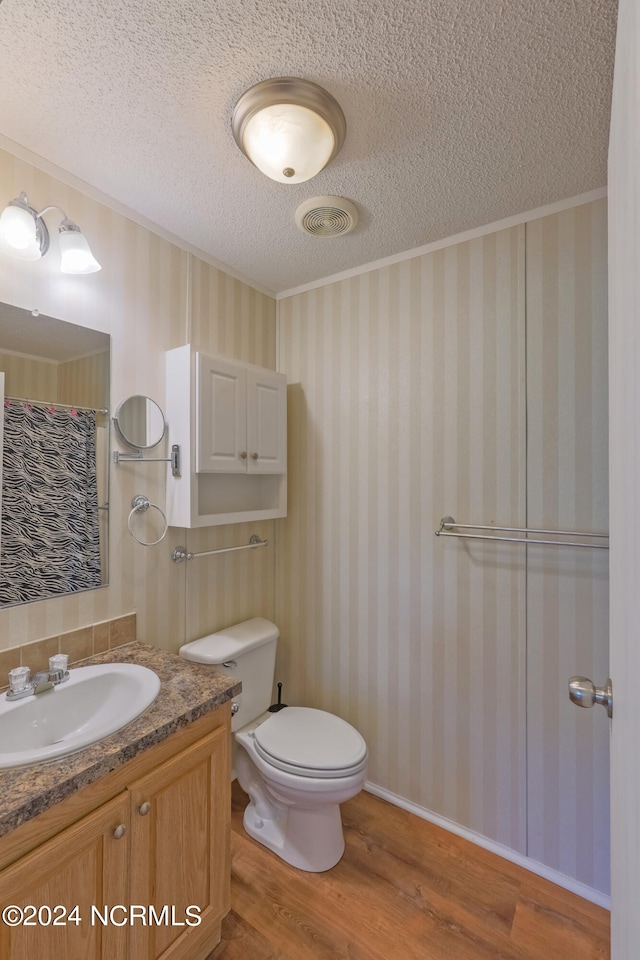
140, 422
55, 462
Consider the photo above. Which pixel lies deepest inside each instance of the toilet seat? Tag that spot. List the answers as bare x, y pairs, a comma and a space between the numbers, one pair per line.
311, 743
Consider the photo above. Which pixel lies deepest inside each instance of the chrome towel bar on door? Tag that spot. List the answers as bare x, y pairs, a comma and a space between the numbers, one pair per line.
181, 553
448, 528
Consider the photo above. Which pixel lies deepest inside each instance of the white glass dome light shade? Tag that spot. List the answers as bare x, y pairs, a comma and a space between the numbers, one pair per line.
18, 232
289, 128
289, 143
75, 253
23, 234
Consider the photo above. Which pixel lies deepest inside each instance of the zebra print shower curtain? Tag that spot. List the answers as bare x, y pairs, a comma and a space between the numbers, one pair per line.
50, 533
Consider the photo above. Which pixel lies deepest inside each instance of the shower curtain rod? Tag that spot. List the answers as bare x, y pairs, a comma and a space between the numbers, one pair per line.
58, 406
447, 524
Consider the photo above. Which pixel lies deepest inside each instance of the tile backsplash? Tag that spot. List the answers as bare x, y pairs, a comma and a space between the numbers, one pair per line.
78, 644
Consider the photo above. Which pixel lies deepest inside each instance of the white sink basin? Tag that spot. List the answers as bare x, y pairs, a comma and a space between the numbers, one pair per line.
91, 704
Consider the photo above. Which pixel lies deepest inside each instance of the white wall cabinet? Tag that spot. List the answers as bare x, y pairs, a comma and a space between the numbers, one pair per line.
230, 419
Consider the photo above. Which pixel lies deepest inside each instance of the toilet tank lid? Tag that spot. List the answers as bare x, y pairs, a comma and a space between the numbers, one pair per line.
231, 642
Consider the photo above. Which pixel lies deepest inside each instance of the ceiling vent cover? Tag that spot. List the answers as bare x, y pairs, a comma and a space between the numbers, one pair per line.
327, 216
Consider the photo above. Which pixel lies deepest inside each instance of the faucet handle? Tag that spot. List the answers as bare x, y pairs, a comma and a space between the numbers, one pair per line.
19, 679
58, 672
58, 663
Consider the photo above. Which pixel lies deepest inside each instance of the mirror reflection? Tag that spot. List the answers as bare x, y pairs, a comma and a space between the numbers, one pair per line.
54, 511
140, 422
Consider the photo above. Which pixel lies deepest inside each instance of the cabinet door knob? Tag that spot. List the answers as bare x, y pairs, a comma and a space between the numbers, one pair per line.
243, 455
120, 831
254, 456
144, 808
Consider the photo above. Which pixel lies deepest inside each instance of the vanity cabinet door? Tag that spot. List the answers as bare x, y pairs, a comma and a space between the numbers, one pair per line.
221, 416
82, 867
180, 836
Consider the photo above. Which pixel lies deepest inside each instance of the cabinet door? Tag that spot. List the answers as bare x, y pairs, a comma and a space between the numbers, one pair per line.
180, 849
221, 416
266, 421
83, 866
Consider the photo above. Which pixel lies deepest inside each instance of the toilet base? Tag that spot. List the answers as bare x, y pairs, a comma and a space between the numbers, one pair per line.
309, 838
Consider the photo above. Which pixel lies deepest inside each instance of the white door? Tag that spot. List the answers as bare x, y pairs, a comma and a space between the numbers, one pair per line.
624, 414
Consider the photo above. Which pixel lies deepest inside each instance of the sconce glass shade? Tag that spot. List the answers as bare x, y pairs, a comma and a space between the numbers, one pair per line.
289, 128
75, 253
23, 234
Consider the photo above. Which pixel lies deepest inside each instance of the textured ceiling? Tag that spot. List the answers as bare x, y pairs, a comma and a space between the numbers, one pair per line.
459, 113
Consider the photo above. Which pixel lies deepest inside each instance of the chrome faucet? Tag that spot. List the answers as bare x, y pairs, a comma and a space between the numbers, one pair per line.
22, 684
46, 679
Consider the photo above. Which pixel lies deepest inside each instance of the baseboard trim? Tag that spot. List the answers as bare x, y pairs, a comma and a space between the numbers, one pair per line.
534, 866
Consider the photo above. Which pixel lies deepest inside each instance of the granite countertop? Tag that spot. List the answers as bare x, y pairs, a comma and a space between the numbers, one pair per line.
188, 691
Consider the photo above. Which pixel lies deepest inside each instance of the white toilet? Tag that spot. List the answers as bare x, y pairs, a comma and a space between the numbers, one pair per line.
297, 765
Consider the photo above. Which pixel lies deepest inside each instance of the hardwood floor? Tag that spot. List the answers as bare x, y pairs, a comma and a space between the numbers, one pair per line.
404, 890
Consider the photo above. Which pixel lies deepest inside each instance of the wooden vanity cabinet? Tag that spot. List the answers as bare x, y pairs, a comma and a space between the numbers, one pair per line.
84, 865
162, 840
180, 849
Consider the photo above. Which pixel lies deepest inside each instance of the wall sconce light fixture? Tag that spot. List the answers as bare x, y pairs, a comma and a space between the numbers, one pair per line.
24, 235
289, 128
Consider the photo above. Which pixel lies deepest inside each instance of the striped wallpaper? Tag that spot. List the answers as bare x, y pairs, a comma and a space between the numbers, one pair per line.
423, 389
150, 296
85, 381
407, 404
237, 586
26, 377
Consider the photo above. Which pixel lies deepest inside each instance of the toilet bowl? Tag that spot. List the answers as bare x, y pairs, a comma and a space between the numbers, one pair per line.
297, 765
297, 773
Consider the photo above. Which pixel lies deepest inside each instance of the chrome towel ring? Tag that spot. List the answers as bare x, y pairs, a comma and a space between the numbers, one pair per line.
140, 504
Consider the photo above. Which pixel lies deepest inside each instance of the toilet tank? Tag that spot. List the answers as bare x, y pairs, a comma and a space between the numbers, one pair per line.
246, 651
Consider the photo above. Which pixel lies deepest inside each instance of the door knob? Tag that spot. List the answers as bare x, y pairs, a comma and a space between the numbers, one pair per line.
584, 693
120, 831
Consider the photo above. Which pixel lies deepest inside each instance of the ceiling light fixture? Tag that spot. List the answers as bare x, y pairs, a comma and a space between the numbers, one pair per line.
24, 235
289, 128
